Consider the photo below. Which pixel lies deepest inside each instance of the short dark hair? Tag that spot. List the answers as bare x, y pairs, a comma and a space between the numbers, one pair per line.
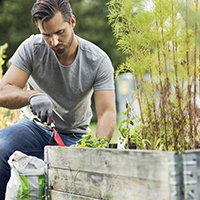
44, 10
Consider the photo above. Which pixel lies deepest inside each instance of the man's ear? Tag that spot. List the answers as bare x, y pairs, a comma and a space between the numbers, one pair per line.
73, 21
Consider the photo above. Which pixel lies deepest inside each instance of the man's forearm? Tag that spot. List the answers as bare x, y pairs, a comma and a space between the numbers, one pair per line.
13, 97
106, 125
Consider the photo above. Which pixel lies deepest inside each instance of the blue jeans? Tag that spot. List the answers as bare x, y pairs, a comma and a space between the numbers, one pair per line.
28, 137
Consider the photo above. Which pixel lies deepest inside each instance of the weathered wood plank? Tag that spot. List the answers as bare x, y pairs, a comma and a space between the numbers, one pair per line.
105, 186
140, 164
64, 196
111, 174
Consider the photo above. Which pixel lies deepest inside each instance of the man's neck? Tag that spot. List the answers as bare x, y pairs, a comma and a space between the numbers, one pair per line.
68, 57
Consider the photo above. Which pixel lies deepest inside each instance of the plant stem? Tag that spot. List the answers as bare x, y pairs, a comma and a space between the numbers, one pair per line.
140, 105
162, 110
188, 75
166, 82
128, 109
154, 104
195, 57
178, 96
149, 113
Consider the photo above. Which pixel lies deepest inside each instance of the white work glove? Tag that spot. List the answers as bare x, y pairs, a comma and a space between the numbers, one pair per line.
42, 106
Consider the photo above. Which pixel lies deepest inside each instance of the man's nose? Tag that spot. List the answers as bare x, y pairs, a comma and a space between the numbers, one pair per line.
54, 40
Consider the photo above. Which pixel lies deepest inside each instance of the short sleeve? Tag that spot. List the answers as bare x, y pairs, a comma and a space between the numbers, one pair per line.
23, 57
105, 76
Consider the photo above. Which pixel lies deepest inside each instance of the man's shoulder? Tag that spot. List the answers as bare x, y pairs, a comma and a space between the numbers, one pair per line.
35, 39
35, 44
89, 47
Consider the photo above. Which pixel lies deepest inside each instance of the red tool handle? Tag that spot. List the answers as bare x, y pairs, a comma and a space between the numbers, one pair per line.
56, 136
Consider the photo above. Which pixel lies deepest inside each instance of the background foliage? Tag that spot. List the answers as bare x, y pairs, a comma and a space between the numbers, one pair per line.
7, 117
15, 23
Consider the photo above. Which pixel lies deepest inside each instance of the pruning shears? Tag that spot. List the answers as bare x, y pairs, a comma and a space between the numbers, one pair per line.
56, 136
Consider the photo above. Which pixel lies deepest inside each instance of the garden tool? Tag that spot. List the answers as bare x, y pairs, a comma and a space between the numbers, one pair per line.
56, 136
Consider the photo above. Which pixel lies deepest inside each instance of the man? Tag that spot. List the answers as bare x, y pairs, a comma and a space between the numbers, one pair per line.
62, 71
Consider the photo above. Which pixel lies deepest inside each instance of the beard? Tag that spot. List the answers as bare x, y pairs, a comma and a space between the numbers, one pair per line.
61, 48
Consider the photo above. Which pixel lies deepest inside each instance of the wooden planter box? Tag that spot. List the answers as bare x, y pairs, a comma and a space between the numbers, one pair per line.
113, 174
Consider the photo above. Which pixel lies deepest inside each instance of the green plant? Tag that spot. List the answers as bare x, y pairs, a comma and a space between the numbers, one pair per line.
160, 38
2, 56
129, 136
91, 141
7, 117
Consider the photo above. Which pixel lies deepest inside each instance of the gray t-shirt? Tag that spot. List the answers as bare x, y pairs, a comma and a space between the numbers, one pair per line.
69, 87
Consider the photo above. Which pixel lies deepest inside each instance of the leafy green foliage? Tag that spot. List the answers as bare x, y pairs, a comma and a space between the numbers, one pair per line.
91, 141
91, 16
2, 56
15, 23
7, 117
159, 38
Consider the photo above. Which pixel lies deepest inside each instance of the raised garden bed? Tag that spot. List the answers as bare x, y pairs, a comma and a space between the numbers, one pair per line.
113, 174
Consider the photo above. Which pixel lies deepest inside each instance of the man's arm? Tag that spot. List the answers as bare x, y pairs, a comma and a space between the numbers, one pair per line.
106, 113
12, 95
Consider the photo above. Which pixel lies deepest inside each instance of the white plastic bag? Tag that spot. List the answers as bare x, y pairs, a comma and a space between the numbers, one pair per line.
27, 178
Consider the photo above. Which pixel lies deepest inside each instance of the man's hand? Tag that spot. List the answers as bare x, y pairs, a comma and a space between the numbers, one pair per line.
42, 106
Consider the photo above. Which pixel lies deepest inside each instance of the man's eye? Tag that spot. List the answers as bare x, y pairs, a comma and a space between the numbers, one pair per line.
60, 32
46, 36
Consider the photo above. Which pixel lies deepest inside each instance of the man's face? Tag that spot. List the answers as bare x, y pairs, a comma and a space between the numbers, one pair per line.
58, 34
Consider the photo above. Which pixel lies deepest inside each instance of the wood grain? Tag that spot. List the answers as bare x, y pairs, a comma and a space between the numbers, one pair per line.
109, 174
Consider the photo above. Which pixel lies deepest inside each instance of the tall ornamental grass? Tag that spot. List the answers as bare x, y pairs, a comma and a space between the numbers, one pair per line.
160, 38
